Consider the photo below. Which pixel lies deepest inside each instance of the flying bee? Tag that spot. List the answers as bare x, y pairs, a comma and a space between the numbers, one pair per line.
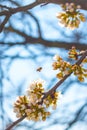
39, 69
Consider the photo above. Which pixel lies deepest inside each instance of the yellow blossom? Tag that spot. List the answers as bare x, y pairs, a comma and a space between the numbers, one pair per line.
71, 16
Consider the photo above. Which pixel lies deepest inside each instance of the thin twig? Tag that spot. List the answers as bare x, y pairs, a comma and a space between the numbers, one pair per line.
15, 123
6, 7
51, 90
44, 4
4, 22
11, 11
18, 9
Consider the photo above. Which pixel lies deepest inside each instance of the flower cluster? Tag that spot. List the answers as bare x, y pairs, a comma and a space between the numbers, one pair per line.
34, 104
73, 53
65, 68
20, 106
71, 16
52, 99
35, 91
80, 72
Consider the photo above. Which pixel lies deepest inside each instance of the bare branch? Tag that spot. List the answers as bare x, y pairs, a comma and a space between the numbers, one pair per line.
83, 3
4, 22
47, 43
12, 11
6, 7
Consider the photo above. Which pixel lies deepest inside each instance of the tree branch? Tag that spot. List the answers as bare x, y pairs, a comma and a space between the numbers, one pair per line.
47, 43
50, 91
82, 3
15, 123
12, 11
40, 40
4, 22
77, 116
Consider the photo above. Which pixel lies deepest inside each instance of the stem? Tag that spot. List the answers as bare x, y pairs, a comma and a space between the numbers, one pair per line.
57, 85
82, 58
51, 90
15, 123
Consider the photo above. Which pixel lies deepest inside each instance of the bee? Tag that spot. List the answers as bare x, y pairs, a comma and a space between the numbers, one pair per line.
39, 69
